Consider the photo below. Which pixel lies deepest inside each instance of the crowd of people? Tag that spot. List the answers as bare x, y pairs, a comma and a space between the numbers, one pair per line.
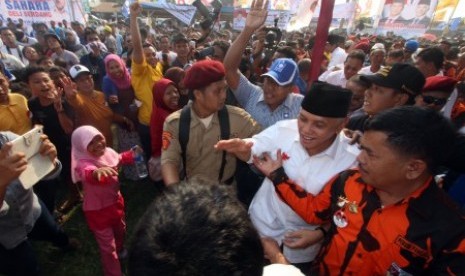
262, 171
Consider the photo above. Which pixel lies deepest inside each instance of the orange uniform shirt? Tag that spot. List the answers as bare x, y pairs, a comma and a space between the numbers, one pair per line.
424, 233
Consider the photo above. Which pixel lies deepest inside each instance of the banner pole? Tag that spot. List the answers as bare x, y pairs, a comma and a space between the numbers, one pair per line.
324, 22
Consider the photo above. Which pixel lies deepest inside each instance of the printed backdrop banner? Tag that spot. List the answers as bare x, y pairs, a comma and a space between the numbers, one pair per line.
282, 16
183, 13
407, 20
41, 10
303, 15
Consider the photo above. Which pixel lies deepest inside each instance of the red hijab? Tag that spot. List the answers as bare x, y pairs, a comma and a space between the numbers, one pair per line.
159, 113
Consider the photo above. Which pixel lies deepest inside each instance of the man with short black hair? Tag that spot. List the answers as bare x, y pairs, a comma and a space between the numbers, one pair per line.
430, 61
181, 48
10, 45
353, 64
338, 55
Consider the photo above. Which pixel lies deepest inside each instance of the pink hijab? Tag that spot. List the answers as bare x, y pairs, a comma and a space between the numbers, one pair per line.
123, 82
80, 139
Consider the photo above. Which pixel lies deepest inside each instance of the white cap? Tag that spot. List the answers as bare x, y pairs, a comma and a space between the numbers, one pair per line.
77, 69
281, 269
378, 46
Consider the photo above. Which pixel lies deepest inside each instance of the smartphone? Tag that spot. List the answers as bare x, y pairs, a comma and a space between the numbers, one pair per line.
38, 166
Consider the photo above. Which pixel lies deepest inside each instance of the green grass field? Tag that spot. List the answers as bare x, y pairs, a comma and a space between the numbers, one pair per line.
86, 260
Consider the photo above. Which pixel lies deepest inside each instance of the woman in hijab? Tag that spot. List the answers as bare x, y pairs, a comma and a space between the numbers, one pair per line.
177, 75
120, 96
165, 101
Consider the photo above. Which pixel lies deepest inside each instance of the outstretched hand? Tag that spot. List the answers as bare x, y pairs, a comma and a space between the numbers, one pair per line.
240, 148
257, 14
266, 164
104, 172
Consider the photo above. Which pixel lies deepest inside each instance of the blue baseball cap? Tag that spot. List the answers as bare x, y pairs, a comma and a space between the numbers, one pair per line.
411, 46
283, 71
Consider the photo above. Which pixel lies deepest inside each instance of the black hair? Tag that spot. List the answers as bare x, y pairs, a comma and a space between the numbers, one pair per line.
357, 54
418, 132
287, 52
224, 45
31, 70
60, 69
396, 53
434, 55
196, 228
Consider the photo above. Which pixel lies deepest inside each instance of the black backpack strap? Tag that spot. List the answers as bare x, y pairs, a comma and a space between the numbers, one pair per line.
223, 117
183, 136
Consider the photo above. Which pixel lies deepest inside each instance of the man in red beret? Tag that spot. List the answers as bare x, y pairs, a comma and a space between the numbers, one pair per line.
190, 134
436, 92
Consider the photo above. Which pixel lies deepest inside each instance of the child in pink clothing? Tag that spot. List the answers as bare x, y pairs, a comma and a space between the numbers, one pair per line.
96, 166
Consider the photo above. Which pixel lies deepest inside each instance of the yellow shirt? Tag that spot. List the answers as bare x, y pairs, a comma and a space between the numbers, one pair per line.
143, 77
15, 116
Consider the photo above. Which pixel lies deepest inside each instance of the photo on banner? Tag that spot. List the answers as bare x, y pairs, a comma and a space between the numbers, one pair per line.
406, 18
41, 11
242, 8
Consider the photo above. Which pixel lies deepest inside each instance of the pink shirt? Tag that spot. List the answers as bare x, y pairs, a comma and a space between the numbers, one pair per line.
103, 193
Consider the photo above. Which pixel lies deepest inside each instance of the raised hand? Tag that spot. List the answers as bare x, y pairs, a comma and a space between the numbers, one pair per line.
135, 9
266, 164
57, 101
69, 87
257, 14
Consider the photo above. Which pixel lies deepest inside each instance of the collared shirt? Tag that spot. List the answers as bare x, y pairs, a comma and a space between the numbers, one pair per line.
250, 97
367, 70
337, 78
272, 217
423, 234
143, 77
202, 160
338, 56
20, 209
15, 116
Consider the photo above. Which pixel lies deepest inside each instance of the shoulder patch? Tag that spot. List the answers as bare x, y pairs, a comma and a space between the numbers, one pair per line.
166, 139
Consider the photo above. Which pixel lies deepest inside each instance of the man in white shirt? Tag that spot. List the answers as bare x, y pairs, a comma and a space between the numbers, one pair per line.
165, 49
352, 65
314, 149
11, 46
338, 55
377, 54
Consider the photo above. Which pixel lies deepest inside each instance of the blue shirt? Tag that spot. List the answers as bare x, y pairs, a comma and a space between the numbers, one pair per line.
250, 97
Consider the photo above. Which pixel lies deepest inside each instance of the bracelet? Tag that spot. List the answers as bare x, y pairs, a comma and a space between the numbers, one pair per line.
322, 230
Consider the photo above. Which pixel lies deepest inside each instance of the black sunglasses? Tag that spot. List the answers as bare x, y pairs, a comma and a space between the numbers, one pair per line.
433, 100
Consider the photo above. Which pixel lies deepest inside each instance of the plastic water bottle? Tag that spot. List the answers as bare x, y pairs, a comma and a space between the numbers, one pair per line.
139, 163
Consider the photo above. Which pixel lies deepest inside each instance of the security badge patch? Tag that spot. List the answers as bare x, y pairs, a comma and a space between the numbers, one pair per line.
340, 218
166, 139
